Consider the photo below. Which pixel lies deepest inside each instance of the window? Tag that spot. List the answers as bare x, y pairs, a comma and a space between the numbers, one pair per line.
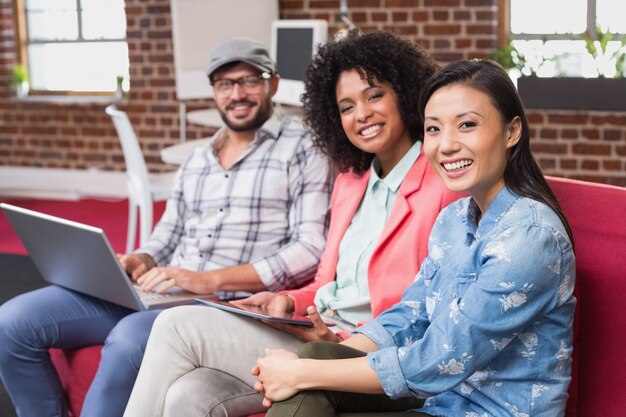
550, 34
75, 46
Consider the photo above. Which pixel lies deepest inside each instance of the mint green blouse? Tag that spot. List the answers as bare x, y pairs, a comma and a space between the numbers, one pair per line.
348, 295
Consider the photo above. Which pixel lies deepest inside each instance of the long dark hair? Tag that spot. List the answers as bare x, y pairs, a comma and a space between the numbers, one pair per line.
379, 56
522, 175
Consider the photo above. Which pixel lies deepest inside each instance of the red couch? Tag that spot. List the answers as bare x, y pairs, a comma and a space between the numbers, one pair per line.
597, 214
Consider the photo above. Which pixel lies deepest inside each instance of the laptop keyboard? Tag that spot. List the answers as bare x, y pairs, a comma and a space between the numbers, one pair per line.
149, 296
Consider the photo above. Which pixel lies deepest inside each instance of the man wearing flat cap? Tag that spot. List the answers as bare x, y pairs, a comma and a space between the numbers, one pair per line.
248, 213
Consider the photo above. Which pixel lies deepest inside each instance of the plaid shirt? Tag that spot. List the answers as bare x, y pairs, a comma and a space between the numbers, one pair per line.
270, 209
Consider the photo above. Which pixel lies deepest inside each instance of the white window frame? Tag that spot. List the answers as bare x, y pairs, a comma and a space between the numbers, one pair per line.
23, 42
505, 35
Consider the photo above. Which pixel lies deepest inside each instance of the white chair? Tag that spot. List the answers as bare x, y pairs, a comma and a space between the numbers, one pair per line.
143, 188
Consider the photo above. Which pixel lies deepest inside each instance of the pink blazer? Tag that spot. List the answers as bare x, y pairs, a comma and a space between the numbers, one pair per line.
404, 240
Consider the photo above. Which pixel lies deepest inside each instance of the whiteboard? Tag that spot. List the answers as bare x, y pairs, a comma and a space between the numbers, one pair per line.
200, 25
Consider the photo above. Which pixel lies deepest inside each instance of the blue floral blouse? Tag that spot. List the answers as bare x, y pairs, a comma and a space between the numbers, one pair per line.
486, 328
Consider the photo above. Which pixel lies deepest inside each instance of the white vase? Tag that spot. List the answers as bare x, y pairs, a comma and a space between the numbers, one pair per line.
21, 89
119, 93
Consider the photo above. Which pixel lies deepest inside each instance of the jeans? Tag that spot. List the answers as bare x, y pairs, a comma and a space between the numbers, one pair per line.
56, 317
318, 403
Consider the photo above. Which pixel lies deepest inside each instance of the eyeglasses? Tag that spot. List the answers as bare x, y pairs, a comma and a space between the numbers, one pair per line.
249, 83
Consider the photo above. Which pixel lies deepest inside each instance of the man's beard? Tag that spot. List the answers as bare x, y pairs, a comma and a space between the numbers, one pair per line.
264, 112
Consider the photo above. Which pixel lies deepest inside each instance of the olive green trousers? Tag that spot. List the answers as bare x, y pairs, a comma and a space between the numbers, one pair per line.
344, 404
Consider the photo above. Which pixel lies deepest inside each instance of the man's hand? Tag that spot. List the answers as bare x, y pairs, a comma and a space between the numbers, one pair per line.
167, 277
280, 303
318, 333
136, 264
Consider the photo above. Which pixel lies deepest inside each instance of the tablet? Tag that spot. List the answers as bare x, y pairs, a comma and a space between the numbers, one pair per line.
257, 312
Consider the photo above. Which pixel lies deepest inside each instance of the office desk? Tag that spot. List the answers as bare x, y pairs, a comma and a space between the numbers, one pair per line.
177, 154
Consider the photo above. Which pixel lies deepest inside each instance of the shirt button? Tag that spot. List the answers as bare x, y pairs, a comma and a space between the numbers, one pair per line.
210, 235
226, 175
221, 210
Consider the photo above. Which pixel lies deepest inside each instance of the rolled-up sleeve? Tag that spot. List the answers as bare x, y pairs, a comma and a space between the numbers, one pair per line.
508, 294
165, 237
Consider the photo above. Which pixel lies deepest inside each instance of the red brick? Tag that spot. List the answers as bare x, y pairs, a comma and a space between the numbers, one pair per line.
534, 118
402, 3
447, 57
403, 30
420, 16
568, 164
590, 134
463, 43
612, 165
612, 134
92, 131
609, 120
584, 149
548, 148
379, 17
324, 4
365, 3
322, 16
461, 15
571, 119
439, 15
291, 5
399, 16
487, 15
548, 133
480, 29
569, 133
486, 44
589, 165
442, 30
442, 3
358, 17
94, 157
474, 3
158, 9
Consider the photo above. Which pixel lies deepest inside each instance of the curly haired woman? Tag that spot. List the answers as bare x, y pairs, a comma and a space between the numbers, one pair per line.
361, 102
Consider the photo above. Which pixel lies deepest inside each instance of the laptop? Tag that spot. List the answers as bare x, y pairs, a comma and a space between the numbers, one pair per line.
79, 257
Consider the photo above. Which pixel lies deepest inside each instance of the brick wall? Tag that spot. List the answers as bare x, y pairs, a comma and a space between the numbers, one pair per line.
587, 145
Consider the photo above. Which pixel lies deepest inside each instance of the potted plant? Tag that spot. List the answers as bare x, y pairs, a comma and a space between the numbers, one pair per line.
605, 60
578, 93
119, 87
19, 80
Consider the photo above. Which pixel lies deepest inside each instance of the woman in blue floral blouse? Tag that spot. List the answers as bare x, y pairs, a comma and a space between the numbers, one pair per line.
486, 328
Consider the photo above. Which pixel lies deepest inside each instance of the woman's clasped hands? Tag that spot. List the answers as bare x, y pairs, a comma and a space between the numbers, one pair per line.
277, 375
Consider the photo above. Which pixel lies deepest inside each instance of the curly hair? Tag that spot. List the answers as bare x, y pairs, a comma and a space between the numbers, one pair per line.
380, 56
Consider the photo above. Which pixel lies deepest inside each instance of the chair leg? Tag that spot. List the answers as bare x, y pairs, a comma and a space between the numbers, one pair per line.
132, 226
145, 221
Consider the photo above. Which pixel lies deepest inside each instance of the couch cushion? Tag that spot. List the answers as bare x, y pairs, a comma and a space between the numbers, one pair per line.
597, 215
76, 369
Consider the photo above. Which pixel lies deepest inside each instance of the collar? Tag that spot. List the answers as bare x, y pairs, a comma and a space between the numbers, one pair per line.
394, 179
499, 206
